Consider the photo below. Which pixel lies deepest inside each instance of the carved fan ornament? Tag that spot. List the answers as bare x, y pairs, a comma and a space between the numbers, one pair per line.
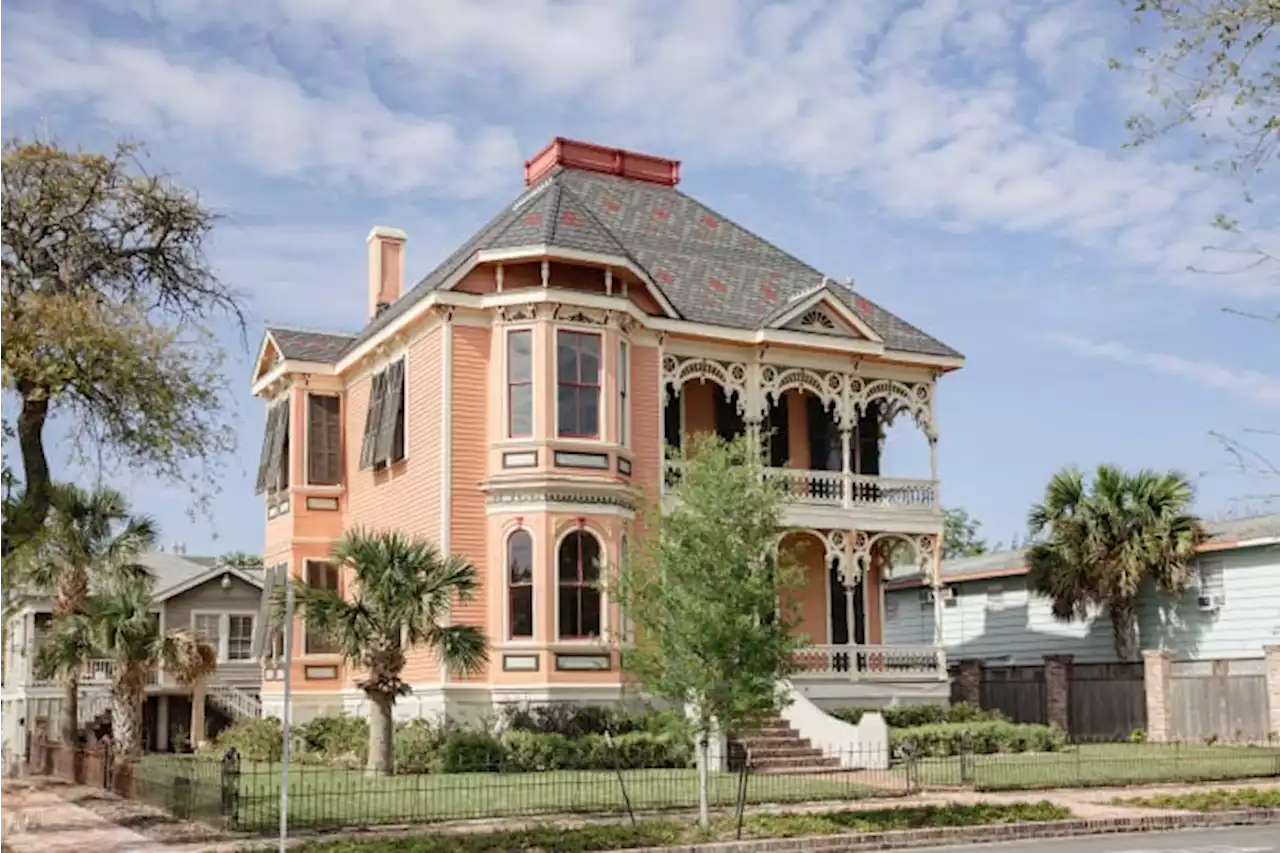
816, 320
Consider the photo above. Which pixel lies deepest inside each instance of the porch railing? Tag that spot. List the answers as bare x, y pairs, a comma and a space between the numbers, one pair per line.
96, 671
837, 489
870, 663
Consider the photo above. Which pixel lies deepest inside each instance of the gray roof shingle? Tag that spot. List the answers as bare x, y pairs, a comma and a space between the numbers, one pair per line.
711, 269
303, 345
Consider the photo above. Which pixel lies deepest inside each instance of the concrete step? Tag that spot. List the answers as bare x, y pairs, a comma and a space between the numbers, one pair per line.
798, 749
813, 762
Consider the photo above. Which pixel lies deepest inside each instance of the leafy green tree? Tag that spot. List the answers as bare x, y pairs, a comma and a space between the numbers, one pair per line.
107, 304
1097, 544
960, 535
90, 540
398, 599
702, 591
241, 560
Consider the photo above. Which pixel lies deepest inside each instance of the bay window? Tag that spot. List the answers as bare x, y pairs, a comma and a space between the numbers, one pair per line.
520, 384
577, 384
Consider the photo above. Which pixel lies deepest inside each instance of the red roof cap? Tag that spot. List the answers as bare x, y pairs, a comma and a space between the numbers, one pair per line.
572, 154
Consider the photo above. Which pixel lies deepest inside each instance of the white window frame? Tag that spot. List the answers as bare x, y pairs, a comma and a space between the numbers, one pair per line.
224, 630
622, 381
554, 429
226, 635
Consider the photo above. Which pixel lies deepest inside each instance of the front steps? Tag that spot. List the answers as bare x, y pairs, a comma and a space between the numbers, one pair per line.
777, 748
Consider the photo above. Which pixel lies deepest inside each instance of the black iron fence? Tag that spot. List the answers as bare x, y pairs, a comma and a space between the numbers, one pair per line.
245, 795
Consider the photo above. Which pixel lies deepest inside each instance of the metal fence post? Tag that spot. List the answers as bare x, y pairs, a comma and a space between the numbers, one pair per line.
230, 787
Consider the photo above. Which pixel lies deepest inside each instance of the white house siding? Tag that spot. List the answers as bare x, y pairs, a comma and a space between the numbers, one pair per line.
1248, 620
1009, 626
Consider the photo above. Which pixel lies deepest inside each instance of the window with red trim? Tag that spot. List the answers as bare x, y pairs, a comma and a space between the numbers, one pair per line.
577, 384
519, 384
520, 585
577, 581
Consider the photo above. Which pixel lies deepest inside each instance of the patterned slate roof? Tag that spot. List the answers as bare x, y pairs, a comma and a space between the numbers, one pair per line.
325, 347
712, 270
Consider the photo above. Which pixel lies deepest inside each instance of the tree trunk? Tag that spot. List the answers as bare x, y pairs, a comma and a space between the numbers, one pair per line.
69, 713
32, 508
704, 779
1124, 627
126, 718
381, 730
198, 727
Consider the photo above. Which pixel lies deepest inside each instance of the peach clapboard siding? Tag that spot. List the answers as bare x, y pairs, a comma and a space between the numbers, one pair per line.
468, 440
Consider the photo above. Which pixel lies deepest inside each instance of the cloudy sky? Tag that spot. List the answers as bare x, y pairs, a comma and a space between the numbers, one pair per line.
964, 162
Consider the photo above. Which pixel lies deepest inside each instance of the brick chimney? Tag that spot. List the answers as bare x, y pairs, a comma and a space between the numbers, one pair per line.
589, 157
386, 268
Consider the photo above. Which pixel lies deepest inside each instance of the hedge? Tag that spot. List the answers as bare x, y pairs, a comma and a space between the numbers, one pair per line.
983, 737
908, 716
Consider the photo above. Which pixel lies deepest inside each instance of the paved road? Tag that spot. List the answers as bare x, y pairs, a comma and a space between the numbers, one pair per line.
1236, 839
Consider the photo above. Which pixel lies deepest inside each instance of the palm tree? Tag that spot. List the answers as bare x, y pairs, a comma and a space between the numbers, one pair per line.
399, 599
123, 626
90, 538
1098, 544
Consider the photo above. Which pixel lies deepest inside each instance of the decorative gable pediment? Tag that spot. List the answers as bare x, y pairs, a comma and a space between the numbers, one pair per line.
822, 313
268, 358
817, 320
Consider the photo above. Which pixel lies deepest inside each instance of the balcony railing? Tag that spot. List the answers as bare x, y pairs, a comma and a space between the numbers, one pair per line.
870, 663
837, 489
96, 671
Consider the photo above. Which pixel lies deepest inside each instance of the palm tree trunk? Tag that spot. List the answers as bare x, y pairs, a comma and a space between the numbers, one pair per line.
198, 726
126, 717
1124, 627
379, 761
69, 712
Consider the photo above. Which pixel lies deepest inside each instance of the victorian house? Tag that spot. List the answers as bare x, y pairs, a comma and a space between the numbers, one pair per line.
514, 404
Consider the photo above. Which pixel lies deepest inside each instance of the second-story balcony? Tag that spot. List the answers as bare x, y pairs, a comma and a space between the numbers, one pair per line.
823, 437
98, 671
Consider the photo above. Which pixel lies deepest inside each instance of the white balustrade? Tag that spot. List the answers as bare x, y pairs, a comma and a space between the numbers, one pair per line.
869, 663
837, 489
96, 671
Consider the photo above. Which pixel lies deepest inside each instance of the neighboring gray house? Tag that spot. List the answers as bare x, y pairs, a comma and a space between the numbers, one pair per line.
221, 603
1231, 611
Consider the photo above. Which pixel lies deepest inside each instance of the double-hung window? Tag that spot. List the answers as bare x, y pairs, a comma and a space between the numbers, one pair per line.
577, 384
519, 383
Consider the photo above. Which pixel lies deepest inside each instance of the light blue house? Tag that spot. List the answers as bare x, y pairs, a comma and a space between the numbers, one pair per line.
1232, 611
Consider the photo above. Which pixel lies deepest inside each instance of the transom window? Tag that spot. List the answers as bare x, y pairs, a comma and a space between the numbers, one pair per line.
520, 585
578, 576
577, 384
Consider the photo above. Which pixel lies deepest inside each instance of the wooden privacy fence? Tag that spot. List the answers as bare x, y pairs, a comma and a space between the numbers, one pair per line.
1089, 701
1218, 700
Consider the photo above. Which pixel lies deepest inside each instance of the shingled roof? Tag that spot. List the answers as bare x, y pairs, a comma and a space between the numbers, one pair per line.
710, 269
303, 345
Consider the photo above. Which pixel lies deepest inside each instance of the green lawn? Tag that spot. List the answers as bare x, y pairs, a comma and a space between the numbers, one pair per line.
1093, 765
321, 796
1211, 800
659, 833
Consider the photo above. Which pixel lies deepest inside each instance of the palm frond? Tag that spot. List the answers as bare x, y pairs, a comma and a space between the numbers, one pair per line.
188, 657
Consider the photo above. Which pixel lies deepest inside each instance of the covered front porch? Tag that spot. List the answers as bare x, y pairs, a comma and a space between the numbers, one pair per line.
839, 609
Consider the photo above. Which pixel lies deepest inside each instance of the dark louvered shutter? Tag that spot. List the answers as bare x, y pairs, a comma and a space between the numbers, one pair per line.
324, 433
368, 449
869, 442
268, 438
278, 467
779, 431
392, 398
397, 431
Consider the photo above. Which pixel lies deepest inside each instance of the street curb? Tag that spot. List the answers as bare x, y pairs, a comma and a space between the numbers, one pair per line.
982, 834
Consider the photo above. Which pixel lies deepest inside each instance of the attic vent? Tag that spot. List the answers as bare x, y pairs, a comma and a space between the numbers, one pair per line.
816, 320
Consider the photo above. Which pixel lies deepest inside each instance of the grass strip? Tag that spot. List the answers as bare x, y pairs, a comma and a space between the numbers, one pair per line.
1212, 800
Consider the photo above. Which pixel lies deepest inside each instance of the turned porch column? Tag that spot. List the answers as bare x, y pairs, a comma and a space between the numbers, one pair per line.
846, 463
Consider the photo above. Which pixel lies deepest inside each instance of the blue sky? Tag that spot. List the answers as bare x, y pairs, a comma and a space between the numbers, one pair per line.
962, 161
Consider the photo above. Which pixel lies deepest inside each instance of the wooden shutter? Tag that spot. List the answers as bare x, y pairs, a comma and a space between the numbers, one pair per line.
371, 419
268, 440
324, 438
278, 461
778, 426
397, 433
390, 419
869, 441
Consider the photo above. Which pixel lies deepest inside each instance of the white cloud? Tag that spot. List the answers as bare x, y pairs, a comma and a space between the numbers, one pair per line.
1248, 385
954, 111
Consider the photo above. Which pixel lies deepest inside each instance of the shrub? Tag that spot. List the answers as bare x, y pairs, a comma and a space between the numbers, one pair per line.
416, 747
471, 752
336, 737
576, 721
910, 716
984, 737
255, 738
532, 751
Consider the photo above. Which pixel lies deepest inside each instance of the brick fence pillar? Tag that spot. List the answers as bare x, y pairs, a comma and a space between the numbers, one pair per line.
1156, 668
969, 681
1057, 690
1273, 689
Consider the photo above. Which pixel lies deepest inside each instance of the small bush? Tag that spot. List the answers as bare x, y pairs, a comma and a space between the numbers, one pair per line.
336, 737
416, 747
255, 738
910, 716
576, 721
984, 738
471, 752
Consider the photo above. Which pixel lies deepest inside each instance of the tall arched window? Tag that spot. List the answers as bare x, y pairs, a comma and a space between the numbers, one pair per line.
578, 591
520, 585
